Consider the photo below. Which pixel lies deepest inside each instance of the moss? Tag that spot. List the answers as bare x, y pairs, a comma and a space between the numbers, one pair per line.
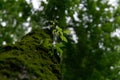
29, 59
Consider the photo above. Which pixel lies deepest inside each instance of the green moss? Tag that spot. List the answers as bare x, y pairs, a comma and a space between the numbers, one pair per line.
29, 59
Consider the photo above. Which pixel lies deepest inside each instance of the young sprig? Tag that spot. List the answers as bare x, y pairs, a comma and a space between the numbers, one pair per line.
58, 33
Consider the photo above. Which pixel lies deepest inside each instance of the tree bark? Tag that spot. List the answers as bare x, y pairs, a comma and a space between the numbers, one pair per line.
30, 59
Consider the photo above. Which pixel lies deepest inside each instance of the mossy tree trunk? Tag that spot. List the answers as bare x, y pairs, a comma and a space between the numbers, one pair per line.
30, 59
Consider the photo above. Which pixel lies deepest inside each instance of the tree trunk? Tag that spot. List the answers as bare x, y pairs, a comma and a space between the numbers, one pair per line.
30, 59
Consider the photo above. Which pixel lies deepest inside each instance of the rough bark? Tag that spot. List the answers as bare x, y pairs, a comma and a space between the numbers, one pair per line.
30, 59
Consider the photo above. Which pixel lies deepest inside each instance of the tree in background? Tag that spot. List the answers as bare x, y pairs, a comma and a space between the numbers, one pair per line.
13, 15
94, 55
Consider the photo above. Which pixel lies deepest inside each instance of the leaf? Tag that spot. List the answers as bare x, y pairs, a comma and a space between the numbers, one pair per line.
63, 38
59, 50
66, 31
59, 29
59, 45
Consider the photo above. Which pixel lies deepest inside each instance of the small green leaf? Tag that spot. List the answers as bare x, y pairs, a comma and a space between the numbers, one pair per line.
66, 31
63, 38
59, 45
59, 50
